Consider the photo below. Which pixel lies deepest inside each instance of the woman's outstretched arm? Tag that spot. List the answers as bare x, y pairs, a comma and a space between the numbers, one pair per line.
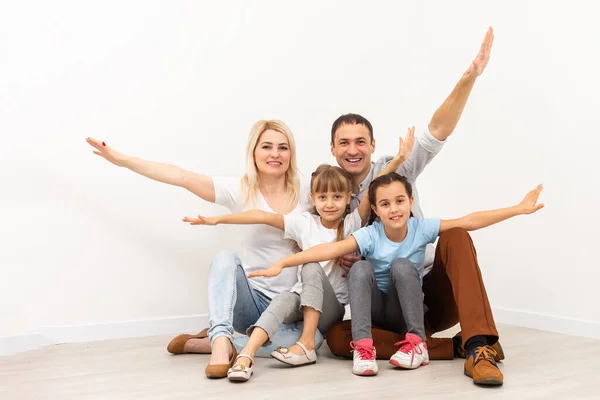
201, 185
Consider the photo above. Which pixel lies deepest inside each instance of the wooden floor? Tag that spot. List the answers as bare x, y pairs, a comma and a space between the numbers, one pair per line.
539, 365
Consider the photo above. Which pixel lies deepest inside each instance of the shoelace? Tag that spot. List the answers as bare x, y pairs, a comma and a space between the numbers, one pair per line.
406, 346
365, 353
485, 353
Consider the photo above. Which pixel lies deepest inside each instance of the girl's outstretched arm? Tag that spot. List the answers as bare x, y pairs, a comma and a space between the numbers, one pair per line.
322, 252
482, 219
251, 217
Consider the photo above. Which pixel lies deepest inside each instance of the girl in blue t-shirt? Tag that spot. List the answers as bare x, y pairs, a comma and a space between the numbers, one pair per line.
386, 286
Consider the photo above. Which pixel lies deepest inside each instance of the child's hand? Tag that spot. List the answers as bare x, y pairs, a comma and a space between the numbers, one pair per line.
529, 204
200, 220
274, 270
406, 145
346, 262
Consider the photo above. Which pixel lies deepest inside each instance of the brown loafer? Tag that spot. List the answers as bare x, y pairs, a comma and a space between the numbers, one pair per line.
217, 371
177, 345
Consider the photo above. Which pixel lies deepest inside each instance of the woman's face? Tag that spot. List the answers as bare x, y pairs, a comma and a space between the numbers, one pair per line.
272, 153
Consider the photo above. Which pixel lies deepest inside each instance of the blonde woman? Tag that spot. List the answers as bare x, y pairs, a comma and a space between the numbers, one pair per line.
271, 184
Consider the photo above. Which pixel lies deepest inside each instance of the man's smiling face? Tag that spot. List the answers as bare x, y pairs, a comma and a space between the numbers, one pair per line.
352, 148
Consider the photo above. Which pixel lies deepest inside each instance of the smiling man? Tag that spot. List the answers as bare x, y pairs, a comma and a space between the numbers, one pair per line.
452, 285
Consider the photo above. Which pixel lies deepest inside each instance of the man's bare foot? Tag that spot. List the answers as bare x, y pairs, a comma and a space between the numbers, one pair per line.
201, 346
221, 351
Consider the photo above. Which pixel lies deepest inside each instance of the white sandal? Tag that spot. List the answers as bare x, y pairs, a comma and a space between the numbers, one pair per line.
241, 373
284, 355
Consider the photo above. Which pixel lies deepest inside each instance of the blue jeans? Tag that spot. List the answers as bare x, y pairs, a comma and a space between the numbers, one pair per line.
233, 305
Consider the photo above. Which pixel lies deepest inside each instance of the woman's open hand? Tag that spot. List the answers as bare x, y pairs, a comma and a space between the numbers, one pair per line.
106, 152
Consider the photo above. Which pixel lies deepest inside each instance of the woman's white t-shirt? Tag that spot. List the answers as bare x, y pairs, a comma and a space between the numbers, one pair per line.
262, 245
308, 231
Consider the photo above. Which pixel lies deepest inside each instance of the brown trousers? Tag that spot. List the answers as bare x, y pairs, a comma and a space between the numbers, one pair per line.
454, 293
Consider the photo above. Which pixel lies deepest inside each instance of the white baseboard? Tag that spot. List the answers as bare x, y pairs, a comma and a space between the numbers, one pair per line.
546, 322
20, 343
48, 335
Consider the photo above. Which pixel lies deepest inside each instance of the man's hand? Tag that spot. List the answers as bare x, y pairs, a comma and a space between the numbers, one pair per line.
483, 57
346, 262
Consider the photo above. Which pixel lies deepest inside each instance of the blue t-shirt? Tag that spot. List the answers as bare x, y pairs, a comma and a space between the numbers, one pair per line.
380, 251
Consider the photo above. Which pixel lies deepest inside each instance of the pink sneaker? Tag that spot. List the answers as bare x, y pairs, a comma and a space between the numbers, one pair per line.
364, 362
411, 354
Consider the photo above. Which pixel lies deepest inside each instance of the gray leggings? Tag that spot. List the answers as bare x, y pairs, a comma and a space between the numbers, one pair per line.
287, 307
400, 310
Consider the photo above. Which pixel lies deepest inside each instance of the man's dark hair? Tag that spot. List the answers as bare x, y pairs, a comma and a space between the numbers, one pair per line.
350, 119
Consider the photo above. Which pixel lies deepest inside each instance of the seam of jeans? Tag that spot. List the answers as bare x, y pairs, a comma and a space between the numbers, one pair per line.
234, 297
251, 290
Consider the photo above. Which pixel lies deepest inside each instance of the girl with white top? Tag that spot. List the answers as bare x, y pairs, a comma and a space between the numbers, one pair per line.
322, 293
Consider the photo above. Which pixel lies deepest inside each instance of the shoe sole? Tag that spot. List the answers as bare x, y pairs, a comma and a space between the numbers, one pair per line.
240, 378
216, 376
486, 381
295, 365
397, 364
365, 373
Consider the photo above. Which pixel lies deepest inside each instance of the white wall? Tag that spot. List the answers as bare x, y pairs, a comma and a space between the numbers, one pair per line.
84, 242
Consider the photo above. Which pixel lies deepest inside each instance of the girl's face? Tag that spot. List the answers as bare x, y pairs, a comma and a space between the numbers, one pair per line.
331, 205
392, 205
272, 153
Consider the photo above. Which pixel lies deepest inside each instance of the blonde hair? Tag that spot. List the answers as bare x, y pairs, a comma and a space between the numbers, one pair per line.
329, 178
250, 183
